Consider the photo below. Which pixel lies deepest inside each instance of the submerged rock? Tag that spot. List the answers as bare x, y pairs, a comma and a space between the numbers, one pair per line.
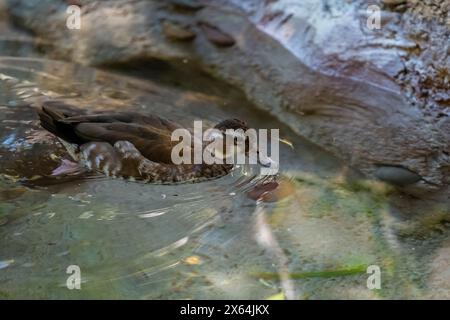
397, 175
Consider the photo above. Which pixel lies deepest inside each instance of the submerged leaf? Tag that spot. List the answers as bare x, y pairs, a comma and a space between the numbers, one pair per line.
316, 274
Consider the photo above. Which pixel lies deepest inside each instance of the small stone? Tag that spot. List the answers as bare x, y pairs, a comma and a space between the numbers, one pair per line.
216, 36
175, 31
397, 175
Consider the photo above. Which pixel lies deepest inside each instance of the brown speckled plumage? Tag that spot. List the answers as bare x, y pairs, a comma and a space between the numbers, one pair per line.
127, 144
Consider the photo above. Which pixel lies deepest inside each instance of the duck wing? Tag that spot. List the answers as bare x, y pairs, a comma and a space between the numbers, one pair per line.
150, 134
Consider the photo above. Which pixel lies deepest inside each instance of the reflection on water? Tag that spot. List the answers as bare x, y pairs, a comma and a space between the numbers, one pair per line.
205, 240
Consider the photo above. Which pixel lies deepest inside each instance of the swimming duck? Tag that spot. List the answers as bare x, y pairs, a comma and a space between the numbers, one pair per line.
125, 144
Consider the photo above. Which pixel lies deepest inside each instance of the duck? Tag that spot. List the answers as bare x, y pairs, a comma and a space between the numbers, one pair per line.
124, 144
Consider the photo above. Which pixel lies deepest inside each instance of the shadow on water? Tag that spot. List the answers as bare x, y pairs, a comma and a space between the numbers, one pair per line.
313, 238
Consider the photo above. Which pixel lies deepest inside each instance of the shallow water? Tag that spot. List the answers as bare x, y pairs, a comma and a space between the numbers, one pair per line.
205, 240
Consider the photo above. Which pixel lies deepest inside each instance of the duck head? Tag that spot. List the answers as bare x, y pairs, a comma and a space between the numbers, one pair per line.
237, 137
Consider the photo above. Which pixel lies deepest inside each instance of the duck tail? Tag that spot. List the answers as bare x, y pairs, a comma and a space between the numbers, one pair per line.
51, 113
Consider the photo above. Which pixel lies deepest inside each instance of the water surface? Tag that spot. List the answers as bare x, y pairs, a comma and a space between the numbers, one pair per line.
197, 241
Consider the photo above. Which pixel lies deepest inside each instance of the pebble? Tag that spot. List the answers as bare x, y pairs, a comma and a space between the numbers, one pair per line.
216, 36
175, 31
397, 175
